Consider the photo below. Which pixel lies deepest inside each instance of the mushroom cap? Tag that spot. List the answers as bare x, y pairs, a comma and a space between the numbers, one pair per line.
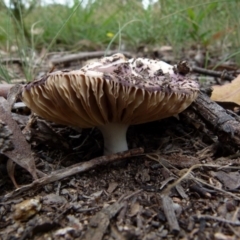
113, 90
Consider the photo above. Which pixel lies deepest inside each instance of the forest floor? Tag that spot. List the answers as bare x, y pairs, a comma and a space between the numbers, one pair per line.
184, 186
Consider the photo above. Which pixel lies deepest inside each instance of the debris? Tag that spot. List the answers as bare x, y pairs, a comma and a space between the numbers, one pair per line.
27, 209
170, 214
4, 89
112, 186
230, 180
74, 169
20, 151
224, 75
100, 222
226, 126
53, 199
229, 92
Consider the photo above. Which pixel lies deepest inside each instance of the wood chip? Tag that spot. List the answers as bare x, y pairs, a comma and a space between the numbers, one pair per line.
170, 214
100, 222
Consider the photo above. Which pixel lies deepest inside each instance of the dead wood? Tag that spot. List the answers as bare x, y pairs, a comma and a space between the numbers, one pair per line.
170, 214
13, 94
224, 75
83, 56
74, 169
100, 222
225, 124
218, 219
7, 60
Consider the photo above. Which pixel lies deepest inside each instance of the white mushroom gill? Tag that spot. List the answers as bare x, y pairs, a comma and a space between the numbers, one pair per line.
114, 135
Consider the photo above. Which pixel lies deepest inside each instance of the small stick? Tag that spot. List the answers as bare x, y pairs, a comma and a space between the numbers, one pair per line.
223, 75
84, 56
222, 220
72, 170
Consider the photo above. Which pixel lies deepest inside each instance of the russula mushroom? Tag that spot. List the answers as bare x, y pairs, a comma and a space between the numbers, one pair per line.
111, 94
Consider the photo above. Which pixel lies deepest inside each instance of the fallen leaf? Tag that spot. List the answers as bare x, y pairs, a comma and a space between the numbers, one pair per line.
230, 180
112, 187
229, 92
18, 149
54, 199
135, 209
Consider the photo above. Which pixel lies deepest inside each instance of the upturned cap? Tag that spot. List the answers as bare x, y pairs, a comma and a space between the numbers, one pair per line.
113, 90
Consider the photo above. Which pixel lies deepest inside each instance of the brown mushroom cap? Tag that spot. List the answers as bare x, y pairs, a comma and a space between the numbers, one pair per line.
114, 90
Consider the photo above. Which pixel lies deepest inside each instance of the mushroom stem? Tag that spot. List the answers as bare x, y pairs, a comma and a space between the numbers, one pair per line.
114, 135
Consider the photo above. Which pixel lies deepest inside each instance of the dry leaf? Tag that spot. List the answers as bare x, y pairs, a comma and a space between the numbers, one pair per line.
227, 93
230, 180
135, 209
19, 151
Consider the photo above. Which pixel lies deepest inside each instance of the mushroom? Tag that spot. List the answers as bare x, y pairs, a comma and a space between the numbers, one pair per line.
111, 94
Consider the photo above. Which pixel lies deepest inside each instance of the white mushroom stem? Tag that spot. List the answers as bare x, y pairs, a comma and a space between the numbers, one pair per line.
114, 135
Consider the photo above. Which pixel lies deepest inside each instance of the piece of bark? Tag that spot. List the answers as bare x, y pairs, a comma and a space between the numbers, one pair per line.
83, 56
12, 60
169, 212
13, 94
100, 222
224, 125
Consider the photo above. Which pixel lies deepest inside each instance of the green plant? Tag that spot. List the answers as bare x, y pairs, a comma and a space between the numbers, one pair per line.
196, 20
117, 25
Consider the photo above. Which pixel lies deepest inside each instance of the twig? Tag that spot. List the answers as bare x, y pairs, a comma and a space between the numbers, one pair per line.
84, 56
223, 75
74, 169
7, 60
209, 217
131, 195
186, 174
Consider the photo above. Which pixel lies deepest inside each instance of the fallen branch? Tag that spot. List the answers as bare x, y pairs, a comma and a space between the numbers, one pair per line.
218, 219
225, 124
224, 75
72, 170
7, 60
83, 56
